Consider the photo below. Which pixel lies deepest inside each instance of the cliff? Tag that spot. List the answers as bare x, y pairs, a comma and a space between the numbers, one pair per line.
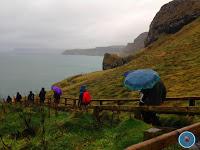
172, 17
137, 44
113, 60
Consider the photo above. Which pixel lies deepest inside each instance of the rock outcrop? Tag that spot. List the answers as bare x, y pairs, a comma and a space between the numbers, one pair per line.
113, 60
172, 17
138, 44
125, 55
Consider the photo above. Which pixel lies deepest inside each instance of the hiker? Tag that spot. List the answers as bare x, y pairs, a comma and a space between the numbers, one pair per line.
42, 95
82, 90
56, 97
154, 96
84, 97
9, 99
31, 97
18, 97
57, 93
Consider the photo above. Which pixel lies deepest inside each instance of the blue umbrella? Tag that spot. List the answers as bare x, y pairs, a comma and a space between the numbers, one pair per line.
57, 90
141, 79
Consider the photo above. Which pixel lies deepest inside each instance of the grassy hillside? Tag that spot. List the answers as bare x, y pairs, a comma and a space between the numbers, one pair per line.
70, 131
175, 57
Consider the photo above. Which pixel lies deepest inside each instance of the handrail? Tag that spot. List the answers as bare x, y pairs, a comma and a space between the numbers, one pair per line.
136, 99
165, 140
183, 110
182, 98
191, 100
124, 101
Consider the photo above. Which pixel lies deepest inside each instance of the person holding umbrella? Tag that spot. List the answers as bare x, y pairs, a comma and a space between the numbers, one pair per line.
155, 95
57, 93
152, 89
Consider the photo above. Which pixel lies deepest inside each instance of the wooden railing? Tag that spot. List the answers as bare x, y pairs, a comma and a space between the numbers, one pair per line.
165, 140
188, 110
191, 101
126, 104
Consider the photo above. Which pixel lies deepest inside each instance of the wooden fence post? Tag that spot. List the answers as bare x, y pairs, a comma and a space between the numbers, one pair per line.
101, 103
96, 113
118, 112
37, 100
191, 102
3, 106
74, 105
65, 102
49, 106
25, 101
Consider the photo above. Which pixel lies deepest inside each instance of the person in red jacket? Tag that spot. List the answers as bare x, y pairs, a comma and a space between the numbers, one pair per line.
84, 97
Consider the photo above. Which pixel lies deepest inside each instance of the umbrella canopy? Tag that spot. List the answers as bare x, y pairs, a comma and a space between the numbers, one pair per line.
57, 90
141, 79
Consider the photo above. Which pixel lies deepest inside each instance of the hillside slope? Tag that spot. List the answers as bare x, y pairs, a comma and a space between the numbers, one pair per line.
176, 57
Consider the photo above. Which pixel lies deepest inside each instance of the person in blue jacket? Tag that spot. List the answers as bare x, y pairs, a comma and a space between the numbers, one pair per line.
82, 90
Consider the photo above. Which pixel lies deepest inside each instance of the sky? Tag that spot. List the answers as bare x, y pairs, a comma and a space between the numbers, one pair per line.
67, 24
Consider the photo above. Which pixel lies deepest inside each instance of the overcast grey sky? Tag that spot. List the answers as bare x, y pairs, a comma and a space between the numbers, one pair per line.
66, 24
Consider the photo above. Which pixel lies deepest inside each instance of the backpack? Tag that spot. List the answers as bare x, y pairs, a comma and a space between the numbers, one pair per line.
86, 98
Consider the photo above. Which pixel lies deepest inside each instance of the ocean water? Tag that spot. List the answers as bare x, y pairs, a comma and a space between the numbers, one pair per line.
25, 72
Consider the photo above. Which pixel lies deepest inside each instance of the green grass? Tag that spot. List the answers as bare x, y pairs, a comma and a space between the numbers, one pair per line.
73, 130
175, 57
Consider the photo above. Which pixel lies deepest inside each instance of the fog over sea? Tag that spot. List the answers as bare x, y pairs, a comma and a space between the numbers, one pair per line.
25, 72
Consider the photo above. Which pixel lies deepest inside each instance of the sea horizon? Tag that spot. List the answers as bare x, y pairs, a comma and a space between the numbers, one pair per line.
24, 72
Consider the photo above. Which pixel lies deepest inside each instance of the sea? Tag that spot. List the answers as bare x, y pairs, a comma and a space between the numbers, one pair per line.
30, 72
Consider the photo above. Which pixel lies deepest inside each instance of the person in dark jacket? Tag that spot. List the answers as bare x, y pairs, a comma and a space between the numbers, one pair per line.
18, 97
56, 97
9, 99
31, 97
42, 95
154, 96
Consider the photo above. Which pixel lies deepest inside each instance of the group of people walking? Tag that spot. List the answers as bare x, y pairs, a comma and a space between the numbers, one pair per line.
146, 81
84, 97
30, 98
